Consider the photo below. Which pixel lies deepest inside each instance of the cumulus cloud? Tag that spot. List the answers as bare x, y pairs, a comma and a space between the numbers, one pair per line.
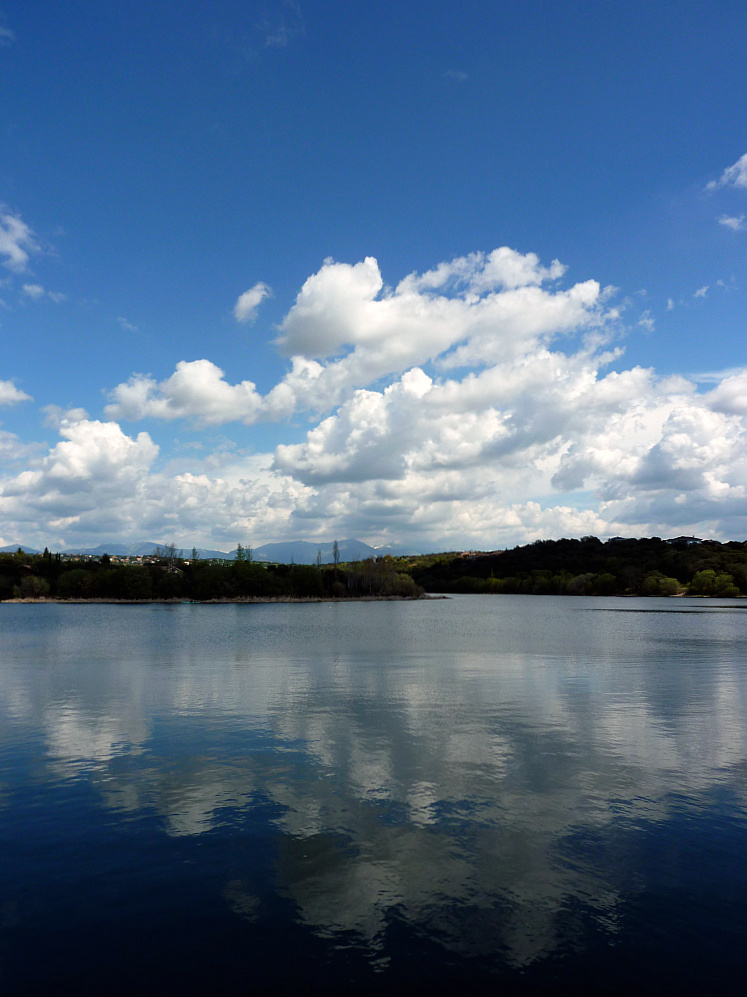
730, 394
733, 176
196, 390
346, 330
479, 403
344, 305
10, 394
474, 310
17, 241
12, 449
98, 482
245, 309
95, 473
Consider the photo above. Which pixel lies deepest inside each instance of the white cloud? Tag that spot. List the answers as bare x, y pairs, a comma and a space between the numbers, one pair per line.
7, 37
36, 291
460, 407
125, 325
95, 473
99, 482
196, 390
702, 291
455, 74
646, 321
733, 176
17, 241
488, 459
670, 304
55, 415
730, 394
473, 310
245, 309
735, 223
346, 331
10, 394
12, 449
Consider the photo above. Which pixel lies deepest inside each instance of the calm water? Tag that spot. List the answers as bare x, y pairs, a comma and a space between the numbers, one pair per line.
485, 792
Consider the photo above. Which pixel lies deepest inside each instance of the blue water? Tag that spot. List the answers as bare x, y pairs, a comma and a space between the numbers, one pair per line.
492, 793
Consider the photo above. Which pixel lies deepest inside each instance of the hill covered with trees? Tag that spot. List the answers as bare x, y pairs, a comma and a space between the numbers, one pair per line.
649, 566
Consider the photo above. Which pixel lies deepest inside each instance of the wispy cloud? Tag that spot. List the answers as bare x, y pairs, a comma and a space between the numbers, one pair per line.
17, 241
245, 309
125, 325
7, 37
670, 304
733, 176
455, 74
36, 291
714, 376
646, 321
702, 291
55, 415
733, 222
283, 24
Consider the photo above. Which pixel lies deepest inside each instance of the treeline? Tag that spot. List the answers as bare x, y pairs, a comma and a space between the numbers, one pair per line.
650, 566
47, 576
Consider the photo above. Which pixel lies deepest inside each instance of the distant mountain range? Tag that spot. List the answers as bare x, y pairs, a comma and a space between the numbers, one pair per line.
288, 552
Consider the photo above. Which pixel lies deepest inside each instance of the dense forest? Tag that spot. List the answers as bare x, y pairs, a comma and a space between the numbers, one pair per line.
649, 566
24, 576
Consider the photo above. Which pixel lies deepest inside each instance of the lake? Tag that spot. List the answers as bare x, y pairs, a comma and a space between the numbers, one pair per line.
500, 794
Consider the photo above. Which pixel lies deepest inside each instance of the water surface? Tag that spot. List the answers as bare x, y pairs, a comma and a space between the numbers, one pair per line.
486, 792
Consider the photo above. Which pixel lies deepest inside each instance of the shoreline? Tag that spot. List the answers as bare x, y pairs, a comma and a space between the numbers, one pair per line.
253, 600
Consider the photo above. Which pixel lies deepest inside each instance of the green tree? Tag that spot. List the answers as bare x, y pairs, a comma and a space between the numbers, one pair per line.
33, 587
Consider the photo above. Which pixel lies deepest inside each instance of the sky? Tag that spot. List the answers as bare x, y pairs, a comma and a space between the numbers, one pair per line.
448, 276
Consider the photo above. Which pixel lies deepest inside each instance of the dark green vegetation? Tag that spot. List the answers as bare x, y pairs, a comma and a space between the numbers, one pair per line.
170, 577
649, 566
547, 567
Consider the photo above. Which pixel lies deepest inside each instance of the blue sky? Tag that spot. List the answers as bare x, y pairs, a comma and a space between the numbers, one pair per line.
454, 275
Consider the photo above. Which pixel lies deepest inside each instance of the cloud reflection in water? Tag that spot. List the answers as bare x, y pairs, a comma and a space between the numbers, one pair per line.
487, 796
